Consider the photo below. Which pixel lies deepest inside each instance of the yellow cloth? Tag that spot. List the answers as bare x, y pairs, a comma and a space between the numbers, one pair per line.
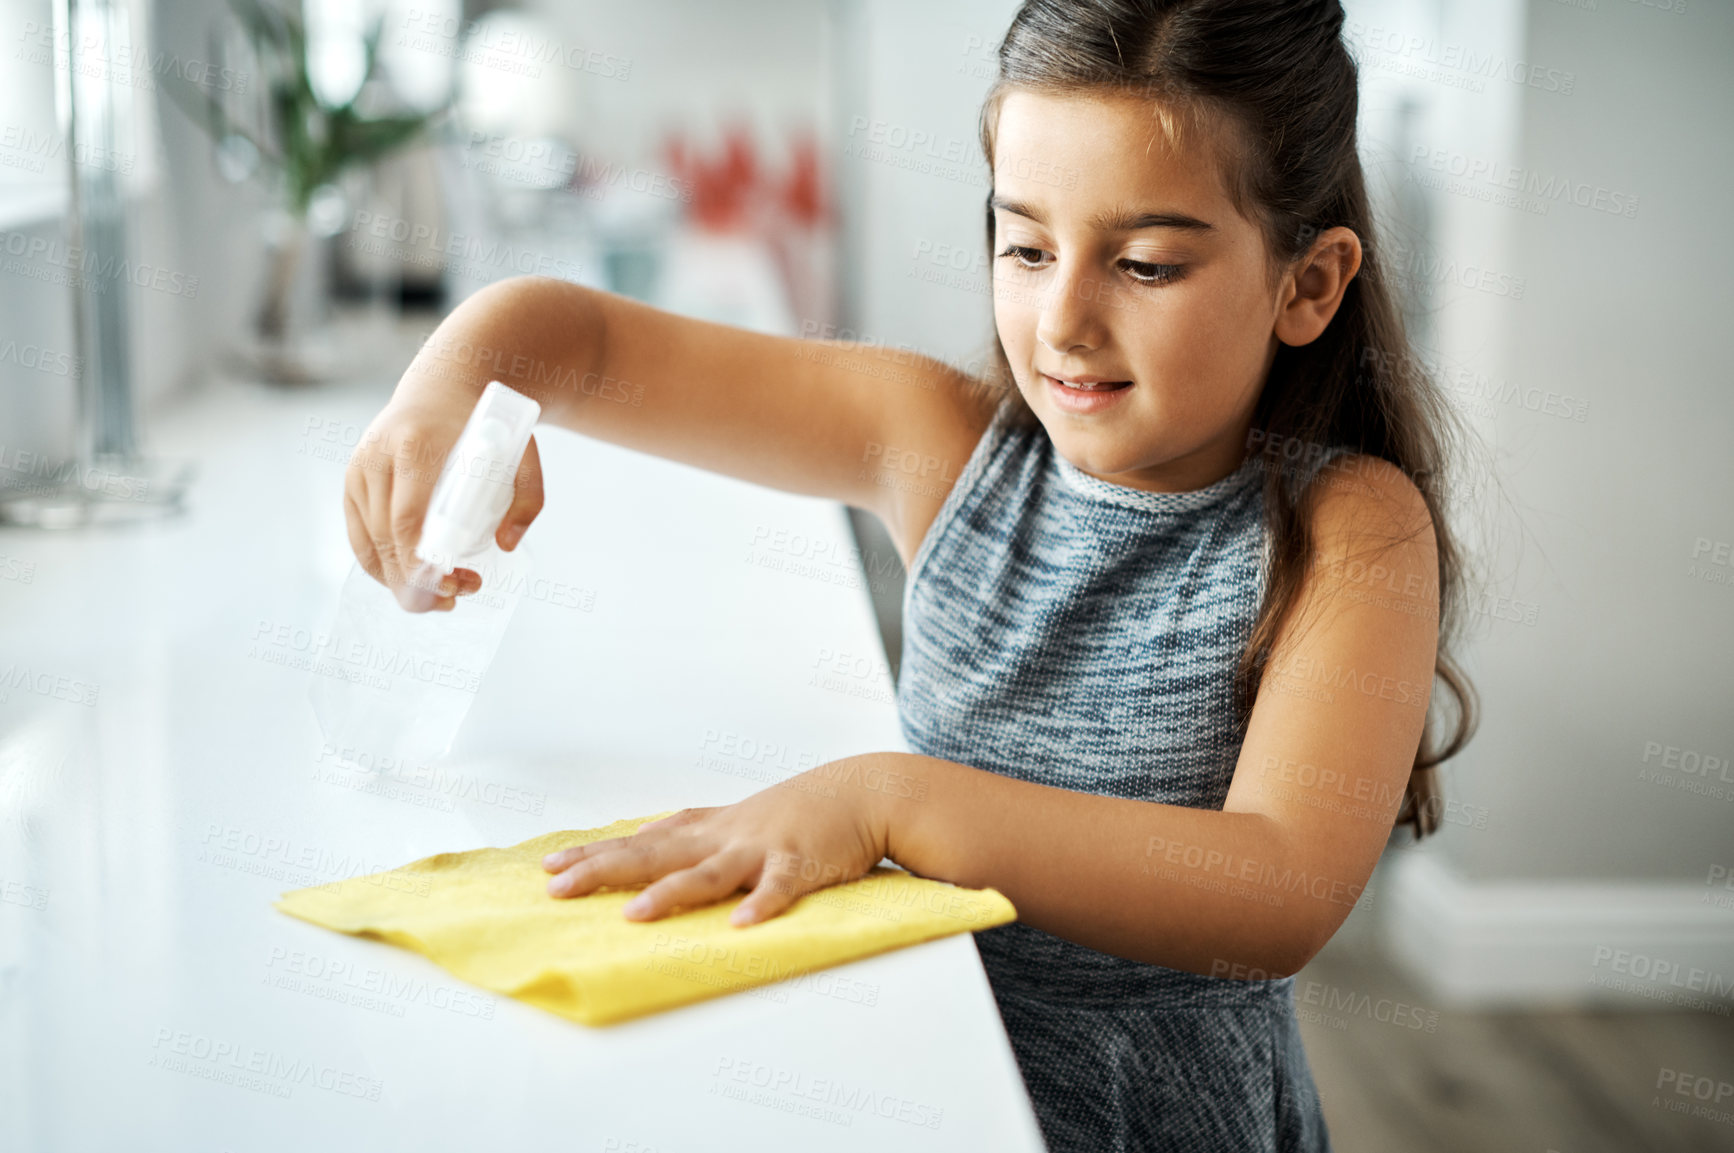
486, 917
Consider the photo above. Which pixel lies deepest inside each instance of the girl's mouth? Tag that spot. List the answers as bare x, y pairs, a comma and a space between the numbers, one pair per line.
1085, 394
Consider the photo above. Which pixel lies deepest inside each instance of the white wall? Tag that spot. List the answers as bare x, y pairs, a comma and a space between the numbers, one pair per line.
1601, 515
696, 66
913, 178
1590, 816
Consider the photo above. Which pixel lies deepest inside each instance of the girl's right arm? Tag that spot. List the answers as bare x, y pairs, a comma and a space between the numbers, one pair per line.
821, 418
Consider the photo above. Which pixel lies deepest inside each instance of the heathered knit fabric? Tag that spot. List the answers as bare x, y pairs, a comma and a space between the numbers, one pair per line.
1072, 632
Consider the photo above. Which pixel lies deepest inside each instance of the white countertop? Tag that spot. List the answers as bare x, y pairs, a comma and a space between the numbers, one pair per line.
152, 999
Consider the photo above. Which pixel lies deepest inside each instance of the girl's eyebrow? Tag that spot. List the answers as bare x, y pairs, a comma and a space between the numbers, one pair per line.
1117, 221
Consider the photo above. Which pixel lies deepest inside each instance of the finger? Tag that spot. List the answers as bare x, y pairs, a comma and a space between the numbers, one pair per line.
411, 594
367, 491
359, 542
460, 582
425, 589
429, 592
710, 880
776, 891
414, 597
367, 487
526, 499
411, 488
675, 820
563, 859
637, 861
376, 511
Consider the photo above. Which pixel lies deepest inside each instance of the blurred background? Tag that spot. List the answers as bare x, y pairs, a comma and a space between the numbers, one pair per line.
251, 204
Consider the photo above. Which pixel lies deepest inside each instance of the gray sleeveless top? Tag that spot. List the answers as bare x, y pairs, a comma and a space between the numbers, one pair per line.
1072, 632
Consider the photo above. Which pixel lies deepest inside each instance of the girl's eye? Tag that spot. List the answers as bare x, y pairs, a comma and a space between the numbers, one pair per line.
1025, 256
1144, 272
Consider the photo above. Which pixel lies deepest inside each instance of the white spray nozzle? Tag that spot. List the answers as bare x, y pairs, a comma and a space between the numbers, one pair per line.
475, 490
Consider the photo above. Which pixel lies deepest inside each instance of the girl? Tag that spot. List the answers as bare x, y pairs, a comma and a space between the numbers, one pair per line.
1171, 633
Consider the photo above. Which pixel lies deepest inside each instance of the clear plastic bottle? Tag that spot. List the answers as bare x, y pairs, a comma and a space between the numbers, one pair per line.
402, 680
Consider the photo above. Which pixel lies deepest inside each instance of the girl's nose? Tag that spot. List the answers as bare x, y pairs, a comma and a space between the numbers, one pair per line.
1070, 313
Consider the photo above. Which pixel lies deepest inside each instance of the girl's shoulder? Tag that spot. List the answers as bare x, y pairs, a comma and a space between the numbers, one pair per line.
1355, 500
944, 445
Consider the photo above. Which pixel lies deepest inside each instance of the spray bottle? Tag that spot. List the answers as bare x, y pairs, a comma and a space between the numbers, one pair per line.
402, 679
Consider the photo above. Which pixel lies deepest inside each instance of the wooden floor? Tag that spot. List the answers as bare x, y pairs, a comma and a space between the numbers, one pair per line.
1569, 1082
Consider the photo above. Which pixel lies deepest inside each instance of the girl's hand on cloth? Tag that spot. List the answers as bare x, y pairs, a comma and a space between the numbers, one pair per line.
804, 834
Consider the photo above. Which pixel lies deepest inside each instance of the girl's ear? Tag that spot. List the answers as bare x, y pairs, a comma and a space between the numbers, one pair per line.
1313, 288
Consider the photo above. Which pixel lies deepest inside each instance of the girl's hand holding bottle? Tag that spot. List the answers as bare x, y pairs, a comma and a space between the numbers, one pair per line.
391, 478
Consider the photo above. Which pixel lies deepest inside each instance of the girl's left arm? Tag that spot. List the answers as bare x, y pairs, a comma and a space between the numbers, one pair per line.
1252, 890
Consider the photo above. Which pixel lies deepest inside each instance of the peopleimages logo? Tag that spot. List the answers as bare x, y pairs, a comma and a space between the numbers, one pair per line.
39, 359
351, 659
251, 1067
16, 678
118, 64
23, 473
425, 246
505, 48
1498, 176
917, 150
46, 252
32, 151
1418, 53
1662, 972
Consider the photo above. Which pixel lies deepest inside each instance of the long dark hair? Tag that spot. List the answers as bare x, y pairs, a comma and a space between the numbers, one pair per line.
1276, 74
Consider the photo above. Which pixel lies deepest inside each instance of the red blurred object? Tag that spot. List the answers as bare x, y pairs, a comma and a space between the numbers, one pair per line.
734, 193
722, 187
802, 196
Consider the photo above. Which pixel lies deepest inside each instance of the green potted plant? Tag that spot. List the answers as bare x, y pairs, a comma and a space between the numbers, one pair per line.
304, 145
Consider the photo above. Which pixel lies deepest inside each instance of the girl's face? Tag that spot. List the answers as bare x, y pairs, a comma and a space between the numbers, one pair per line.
1121, 264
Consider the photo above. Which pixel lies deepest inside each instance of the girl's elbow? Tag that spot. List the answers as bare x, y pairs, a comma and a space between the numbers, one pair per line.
1301, 945
1289, 962
1288, 953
